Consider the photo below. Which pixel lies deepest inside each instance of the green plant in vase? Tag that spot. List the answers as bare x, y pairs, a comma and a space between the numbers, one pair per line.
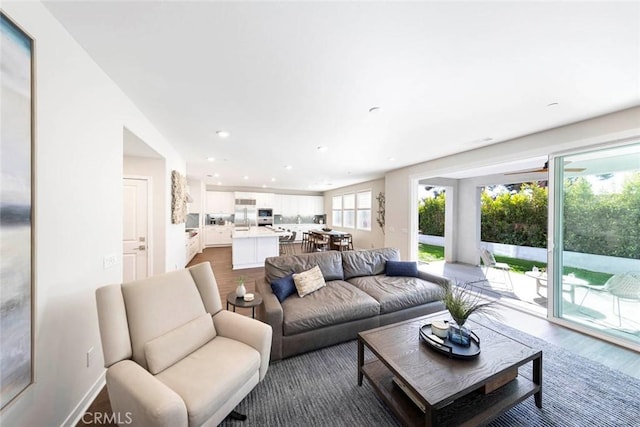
462, 303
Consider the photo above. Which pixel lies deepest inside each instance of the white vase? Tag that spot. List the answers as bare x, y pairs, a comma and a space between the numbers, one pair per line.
241, 290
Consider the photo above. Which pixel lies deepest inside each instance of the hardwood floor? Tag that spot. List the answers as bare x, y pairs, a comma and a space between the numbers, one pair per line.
608, 354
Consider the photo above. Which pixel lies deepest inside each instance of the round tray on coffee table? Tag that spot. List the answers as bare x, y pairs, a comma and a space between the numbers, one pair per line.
449, 347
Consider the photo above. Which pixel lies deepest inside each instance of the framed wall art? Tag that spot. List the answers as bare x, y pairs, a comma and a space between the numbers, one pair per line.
16, 209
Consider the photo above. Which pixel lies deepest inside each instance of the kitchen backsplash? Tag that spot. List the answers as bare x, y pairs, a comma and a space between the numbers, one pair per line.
298, 219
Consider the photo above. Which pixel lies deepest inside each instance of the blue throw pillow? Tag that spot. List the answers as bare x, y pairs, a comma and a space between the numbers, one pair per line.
283, 287
401, 268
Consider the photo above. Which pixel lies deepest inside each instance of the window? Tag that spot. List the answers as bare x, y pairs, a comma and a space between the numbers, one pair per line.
348, 211
363, 206
352, 210
336, 219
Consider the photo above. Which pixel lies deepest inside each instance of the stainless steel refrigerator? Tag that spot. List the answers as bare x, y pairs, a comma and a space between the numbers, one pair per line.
246, 213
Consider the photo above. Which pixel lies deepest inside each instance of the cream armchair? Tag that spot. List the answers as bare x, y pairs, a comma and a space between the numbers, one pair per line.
174, 357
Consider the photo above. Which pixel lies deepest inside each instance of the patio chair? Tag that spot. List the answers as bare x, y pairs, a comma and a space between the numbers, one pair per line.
489, 262
625, 286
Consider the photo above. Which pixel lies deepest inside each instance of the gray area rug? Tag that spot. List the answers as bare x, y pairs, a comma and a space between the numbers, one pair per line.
320, 389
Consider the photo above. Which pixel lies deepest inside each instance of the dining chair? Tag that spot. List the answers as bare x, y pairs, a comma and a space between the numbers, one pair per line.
341, 242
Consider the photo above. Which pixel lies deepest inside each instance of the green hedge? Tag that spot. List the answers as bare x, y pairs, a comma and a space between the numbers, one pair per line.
601, 224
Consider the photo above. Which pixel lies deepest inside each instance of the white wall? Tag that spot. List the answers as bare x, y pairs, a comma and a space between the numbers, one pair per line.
401, 203
361, 239
80, 116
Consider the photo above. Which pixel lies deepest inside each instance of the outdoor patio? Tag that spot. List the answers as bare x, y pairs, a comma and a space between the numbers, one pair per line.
596, 310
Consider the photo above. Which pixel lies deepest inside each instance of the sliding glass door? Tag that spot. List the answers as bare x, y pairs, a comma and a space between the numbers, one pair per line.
596, 241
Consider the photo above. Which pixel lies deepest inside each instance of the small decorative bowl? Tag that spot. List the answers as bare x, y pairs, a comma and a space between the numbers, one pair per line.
440, 329
248, 297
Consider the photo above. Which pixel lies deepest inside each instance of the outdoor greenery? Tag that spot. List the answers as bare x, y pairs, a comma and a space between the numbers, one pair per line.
431, 215
594, 223
430, 253
602, 224
516, 218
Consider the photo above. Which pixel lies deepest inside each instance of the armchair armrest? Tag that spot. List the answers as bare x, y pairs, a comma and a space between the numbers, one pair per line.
138, 396
248, 331
270, 312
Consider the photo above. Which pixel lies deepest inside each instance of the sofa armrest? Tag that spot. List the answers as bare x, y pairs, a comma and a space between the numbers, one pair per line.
248, 331
433, 278
270, 312
138, 397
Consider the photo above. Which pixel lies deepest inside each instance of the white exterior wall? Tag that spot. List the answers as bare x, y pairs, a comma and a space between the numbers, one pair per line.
80, 116
402, 202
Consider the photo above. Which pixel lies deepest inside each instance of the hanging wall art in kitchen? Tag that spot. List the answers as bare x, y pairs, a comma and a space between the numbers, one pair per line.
16, 210
178, 198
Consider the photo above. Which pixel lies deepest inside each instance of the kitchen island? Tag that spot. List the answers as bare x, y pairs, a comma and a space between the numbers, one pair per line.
250, 247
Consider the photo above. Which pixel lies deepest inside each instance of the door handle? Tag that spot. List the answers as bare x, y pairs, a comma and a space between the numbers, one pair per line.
140, 248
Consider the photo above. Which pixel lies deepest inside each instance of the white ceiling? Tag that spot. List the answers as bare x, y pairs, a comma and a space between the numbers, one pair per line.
287, 77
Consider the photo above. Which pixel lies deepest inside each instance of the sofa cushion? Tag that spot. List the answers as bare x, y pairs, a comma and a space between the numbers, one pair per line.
283, 287
337, 302
167, 349
368, 262
309, 281
330, 264
209, 376
397, 293
401, 268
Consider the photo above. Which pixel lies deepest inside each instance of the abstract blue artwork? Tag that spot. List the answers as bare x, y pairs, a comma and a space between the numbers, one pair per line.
16, 225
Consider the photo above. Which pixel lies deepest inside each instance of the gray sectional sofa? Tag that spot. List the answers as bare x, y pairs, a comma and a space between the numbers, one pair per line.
358, 296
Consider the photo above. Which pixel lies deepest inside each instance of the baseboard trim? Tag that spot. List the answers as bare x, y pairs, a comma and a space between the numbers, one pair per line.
85, 402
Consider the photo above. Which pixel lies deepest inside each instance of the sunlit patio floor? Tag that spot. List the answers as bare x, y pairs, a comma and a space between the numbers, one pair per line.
590, 307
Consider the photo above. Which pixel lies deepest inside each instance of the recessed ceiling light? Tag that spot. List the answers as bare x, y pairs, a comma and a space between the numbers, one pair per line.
216, 175
273, 180
264, 185
219, 183
245, 177
288, 167
392, 159
222, 134
211, 159
322, 148
374, 109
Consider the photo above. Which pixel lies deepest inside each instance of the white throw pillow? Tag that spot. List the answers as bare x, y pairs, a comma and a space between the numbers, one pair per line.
309, 281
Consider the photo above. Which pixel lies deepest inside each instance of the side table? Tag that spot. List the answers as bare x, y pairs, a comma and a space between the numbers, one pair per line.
240, 302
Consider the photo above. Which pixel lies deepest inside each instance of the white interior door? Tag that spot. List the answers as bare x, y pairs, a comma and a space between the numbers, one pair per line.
135, 240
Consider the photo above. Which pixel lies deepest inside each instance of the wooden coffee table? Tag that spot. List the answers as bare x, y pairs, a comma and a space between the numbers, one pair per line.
450, 391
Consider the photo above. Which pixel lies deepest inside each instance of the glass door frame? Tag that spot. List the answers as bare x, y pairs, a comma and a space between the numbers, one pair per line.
555, 241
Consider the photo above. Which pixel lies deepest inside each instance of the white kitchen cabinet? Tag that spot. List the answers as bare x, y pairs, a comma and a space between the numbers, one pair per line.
220, 202
277, 204
293, 205
192, 246
218, 235
250, 248
317, 205
289, 205
264, 200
